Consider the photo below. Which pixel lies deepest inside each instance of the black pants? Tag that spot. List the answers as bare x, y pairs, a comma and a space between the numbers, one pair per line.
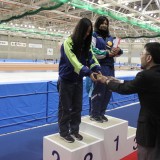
70, 107
148, 153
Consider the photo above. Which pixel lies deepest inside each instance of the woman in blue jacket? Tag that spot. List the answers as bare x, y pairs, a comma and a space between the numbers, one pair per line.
102, 45
76, 62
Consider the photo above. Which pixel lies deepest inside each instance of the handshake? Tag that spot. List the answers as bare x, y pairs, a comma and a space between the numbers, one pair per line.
98, 77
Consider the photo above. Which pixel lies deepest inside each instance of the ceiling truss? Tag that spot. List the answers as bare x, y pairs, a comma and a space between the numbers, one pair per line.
62, 20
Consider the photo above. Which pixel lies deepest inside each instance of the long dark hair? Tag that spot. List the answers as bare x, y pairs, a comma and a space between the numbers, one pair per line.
81, 45
97, 24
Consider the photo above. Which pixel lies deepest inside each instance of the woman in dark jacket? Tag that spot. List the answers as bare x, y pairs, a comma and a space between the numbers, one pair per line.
76, 62
102, 46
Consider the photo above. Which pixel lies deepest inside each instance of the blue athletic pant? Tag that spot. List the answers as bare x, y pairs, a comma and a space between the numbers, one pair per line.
101, 94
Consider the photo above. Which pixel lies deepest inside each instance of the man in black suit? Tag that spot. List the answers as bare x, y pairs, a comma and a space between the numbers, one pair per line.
147, 85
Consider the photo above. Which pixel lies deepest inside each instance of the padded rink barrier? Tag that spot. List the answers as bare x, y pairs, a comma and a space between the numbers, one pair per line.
110, 140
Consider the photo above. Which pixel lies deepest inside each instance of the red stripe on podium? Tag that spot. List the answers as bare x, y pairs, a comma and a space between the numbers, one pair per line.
132, 156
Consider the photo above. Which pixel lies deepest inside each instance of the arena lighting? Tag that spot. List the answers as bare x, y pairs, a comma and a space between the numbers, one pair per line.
152, 40
100, 2
142, 17
137, 40
135, 7
140, 9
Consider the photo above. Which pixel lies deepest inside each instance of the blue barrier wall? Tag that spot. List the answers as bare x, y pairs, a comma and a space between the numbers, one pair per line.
22, 106
26, 105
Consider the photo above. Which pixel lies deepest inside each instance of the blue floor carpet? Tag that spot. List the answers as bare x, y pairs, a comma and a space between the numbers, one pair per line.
129, 113
28, 145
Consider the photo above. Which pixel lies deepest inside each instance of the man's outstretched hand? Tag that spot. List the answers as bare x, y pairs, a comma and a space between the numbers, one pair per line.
98, 77
107, 79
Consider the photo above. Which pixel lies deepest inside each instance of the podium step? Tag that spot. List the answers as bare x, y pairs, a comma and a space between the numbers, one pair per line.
131, 131
99, 129
130, 145
110, 140
56, 148
118, 137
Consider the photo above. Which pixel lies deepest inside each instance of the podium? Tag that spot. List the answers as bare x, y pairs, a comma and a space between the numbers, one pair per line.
110, 140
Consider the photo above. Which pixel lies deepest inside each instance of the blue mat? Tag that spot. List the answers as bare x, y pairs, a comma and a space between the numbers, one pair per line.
129, 113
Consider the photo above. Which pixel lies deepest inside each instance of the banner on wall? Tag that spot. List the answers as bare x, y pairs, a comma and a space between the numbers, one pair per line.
125, 50
50, 51
32, 45
3, 43
18, 44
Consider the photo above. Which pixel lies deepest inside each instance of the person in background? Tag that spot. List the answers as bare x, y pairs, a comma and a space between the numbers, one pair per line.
76, 61
147, 85
102, 46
